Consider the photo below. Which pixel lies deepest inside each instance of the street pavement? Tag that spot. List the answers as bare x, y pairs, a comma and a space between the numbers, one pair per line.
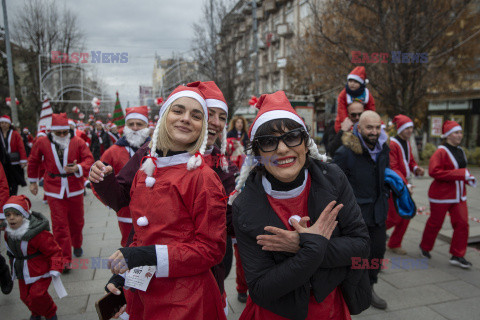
413, 288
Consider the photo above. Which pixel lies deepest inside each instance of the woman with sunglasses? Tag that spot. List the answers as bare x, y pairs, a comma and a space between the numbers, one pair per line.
297, 224
177, 204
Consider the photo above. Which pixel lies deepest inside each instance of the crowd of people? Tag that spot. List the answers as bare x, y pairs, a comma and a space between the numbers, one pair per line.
189, 193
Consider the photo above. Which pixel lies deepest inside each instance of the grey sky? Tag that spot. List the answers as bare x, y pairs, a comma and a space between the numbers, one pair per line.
139, 28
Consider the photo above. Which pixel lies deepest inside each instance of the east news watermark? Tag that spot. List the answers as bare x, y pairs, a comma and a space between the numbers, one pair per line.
385, 57
393, 263
89, 57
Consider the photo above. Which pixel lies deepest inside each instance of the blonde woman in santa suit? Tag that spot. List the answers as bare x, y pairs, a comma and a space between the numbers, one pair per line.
297, 224
178, 211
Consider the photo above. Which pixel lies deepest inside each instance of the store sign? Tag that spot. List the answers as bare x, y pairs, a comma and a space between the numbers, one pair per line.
436, 123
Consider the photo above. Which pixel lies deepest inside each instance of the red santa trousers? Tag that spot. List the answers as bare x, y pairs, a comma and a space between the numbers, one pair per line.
67, 223
134, 304
458, 218
241, 282
400, 225
36, 297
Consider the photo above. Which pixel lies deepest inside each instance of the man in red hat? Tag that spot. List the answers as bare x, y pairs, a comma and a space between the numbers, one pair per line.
448, 193
354, 91
136, 134
403, 163
6, 283
113, 133
67, 161
27, 140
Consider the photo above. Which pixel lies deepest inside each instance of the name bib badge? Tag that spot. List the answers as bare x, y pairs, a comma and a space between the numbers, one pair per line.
140, 277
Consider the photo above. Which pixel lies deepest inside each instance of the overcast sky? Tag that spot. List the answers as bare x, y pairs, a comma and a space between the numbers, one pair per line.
139, 28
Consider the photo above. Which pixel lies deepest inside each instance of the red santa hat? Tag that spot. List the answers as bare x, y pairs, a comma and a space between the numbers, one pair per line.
272, 107
449, 127
140, 113
71, 122
151, 125
112, 125
99, 122
25, 130
190, 91
358, 74
6, 119
20, 203
215, 99
59, 121
402, 122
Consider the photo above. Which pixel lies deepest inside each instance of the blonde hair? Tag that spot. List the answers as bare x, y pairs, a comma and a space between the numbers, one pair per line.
164, 139
231, 125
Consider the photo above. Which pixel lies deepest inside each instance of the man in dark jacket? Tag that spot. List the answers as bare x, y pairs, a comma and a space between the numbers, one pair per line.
355, 110
100, 141
364, 157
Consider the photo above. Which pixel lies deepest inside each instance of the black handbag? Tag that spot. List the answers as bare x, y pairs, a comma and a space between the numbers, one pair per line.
14, 157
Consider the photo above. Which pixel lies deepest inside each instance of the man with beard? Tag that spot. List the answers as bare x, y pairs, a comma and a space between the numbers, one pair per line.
135, 134
100, 140
67, 160
363, 158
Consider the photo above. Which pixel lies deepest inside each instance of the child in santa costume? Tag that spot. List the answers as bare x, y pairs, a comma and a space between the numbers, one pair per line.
35, 257
403, 163
310, 278
179, 215
13, 144
448, 193
354, 91
67, 160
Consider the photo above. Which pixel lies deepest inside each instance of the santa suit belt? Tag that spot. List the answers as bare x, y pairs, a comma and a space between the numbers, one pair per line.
27, 257
63, 175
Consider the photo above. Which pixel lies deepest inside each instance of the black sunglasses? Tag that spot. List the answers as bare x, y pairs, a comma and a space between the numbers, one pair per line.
61, 133
291, 139
355, 115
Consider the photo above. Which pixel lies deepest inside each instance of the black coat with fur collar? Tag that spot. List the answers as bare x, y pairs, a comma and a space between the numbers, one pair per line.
281, 282
366, 177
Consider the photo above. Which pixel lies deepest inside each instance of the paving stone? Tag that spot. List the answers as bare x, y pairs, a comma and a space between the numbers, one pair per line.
459, 310
423, 313
460, 288
415, 278
71, 304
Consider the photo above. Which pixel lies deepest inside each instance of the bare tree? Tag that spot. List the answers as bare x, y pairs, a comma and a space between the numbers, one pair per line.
41, 27
429, 43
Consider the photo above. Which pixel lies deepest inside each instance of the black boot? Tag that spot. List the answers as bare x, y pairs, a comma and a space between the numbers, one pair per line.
35, 317
378, 302
53, 318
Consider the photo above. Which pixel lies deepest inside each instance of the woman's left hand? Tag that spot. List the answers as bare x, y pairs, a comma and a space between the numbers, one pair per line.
281, 240
117, 263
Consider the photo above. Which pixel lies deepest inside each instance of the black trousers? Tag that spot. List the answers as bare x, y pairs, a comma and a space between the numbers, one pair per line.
4, 270
378, 238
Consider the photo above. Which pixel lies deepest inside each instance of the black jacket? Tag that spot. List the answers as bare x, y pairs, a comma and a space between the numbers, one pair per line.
95, 144
281, 282
366, 177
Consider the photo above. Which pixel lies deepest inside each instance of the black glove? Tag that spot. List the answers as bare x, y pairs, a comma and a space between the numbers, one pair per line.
139, 256
117, 280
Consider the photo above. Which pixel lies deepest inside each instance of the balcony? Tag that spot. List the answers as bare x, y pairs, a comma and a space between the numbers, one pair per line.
285, 30
260, 13
270, 6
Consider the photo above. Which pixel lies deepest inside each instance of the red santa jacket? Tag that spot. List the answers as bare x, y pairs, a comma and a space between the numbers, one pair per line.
4, 190
46, 260
15, 144
57, 186
113, 137
400, 162
84, 136
449, 181
183, 215
344, 100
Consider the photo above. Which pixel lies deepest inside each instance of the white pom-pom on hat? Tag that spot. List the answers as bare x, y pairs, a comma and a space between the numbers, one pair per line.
150, 181
294, 217
142, 221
